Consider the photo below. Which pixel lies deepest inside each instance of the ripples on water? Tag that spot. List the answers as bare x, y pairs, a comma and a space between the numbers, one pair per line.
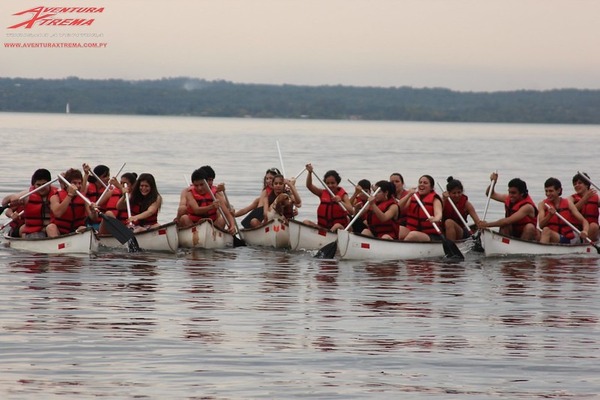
250, 323
247, 323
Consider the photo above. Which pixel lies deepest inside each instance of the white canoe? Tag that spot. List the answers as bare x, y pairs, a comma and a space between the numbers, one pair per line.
275, 233
497, 244
204, 235
352, 246
306, 237
85, 242
161, 238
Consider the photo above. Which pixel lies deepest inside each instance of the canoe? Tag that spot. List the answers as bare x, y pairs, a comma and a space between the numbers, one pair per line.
497, 244
275, 233
204, 235
354, 246
161, 238
85, 242
307, 237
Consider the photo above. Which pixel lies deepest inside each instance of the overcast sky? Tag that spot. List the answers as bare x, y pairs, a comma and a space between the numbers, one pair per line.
466, 45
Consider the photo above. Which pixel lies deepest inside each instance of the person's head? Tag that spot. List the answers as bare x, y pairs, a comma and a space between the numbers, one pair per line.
278, 184
426, 184
269, 175
146, 185
553, 188
103, 172
128, 178
398, 181
332, 179
365, 184
199, 179
386, 190
581, 182
75, 177
517, 190
41, 177
210, 173
455, 188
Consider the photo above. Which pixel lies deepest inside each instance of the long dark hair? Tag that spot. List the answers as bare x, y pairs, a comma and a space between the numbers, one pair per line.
138, 198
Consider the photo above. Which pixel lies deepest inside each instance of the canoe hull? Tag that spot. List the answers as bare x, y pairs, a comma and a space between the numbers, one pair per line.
274, 233
353, 246
497, 244
204, 235
85, 242
306, 237
161, 238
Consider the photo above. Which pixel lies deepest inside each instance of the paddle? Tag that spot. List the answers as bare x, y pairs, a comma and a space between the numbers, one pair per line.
237, 242
574, 228
477, 236
329, 250
240, 241
457, 212
280, 159
7, 223
2, 208
450, 247
122, 233
128, 204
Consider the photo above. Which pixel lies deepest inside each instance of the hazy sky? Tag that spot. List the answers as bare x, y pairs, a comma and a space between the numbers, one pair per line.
480, 45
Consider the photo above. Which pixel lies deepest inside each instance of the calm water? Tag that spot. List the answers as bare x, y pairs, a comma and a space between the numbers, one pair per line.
250, 323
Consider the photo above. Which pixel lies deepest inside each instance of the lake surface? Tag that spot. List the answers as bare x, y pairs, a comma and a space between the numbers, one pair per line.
255, 323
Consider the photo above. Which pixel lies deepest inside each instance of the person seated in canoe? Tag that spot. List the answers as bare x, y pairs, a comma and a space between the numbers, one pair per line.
35, 207
520, 211
144, 201
452, 223
116, 190
554, 228
68, 210
398, 180
382, 213
587, 202
419, 228
358, 199
203, 202
182, 208
333, 211
281, 202
97, 183
255, 208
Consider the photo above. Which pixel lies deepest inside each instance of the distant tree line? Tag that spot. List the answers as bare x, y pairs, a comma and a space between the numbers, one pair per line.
198, 97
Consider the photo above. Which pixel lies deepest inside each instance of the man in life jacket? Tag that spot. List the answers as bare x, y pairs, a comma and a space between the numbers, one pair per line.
554, 228
35, 207
587, 202
519, 209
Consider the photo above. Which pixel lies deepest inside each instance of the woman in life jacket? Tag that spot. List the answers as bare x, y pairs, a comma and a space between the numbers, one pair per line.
145, 203
333, 212
453, 226
419, 228
382, 213
282, 202
117, 189
256, 208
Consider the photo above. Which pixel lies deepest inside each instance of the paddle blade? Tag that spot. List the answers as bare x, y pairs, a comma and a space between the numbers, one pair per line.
451, 250
237, 242
477, 246
122, 233
328, 251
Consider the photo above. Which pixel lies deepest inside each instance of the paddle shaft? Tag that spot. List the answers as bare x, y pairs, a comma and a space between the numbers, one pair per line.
456, 210
7, 223
215, 199
280, 158
487, 202
361, 211
37, 189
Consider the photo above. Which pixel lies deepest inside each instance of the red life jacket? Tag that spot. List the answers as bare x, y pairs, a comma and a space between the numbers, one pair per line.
111, 205
510, 209
37, 212
330, 212
93, 193
74, 216
379, 228
461, 205
401, 219
203, 200
416, 219
557, 224
589, 209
